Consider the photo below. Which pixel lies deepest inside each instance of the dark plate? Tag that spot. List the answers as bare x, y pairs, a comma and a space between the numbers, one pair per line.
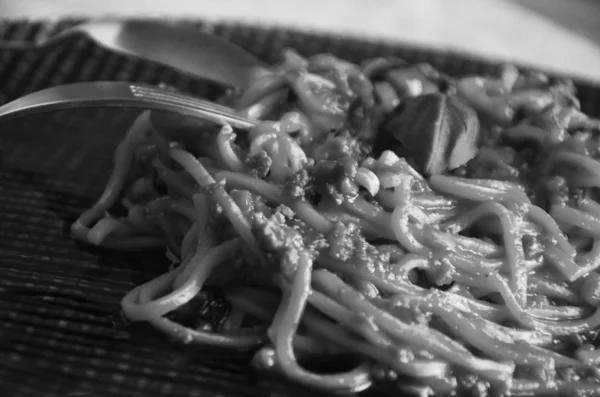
60, 329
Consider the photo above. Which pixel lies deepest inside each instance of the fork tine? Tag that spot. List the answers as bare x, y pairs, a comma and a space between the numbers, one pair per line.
210, 109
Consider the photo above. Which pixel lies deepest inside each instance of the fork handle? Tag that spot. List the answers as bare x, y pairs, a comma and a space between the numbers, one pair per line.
43, 44
121, 95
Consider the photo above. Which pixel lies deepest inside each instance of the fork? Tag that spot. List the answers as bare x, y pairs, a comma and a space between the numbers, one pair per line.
188, 50
122, 95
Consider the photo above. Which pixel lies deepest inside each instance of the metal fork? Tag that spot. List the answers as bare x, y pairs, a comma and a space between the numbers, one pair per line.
195, 53
122, 95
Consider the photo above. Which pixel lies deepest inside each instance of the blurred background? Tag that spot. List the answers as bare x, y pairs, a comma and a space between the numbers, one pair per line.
562, 35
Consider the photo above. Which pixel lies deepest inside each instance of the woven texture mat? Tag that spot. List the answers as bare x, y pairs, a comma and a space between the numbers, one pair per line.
60, 328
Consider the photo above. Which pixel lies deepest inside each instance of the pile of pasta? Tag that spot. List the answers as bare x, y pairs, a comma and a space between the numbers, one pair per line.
318, 235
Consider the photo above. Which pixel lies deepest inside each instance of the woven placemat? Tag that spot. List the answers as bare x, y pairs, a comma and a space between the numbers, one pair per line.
60, 328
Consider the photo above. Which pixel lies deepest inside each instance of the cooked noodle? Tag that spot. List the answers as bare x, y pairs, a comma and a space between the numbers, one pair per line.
479, 279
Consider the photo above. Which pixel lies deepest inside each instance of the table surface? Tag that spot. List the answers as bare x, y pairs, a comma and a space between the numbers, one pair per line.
525, 31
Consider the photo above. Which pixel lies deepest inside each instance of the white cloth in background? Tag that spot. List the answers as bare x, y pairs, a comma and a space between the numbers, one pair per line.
492, 28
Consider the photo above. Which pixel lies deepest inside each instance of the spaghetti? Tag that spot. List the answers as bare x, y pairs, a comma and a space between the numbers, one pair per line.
480, 276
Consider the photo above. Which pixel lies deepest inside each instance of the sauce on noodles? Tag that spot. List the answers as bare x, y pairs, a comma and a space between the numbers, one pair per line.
333, 230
